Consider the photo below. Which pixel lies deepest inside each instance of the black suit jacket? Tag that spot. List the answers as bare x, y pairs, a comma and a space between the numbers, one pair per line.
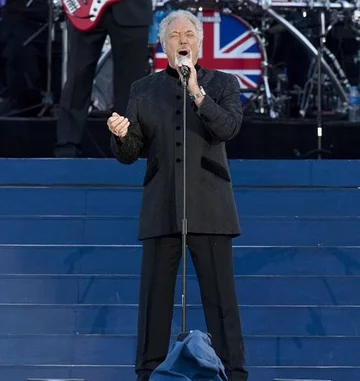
133, 12
155, 111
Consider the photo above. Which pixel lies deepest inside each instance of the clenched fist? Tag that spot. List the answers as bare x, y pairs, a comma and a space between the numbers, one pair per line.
118, 125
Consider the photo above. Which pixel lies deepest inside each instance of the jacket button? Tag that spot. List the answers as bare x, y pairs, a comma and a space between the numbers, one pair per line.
178, 128
178, 97
178, 160
178, 112
178, 144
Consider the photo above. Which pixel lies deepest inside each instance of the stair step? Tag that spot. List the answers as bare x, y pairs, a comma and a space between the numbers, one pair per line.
23, 372
112, 350
124, 289
47, 259
70, 201
122, 319
70, 379
310, 173
272, 231
250, 201
102, 172
127, 373
298, 379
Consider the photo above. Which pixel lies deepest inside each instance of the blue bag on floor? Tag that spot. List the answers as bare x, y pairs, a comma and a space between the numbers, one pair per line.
192, 359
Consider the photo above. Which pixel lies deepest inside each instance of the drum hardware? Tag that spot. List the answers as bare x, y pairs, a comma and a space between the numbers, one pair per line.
267, 4
328, 96
158, 3
309, 46
357, 58
271, 100
282, 94
324, 88
322, 40
355, 28
329, 100
265, 98
269, 96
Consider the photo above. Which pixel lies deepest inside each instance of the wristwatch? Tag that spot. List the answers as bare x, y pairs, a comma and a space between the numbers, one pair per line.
200, 94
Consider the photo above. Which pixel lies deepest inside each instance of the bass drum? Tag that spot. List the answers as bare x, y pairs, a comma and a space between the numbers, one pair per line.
230, 45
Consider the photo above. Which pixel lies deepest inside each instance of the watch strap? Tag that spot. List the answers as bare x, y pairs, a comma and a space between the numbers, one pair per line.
199, 94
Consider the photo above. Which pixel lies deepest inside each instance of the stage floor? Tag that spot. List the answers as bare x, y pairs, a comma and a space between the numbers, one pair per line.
260, 138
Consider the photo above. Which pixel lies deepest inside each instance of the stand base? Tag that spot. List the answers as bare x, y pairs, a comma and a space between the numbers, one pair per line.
183, 335
47, 104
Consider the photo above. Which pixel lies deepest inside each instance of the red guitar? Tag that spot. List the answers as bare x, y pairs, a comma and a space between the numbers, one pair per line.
85, 14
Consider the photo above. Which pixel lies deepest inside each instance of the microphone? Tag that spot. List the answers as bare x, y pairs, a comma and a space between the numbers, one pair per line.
184, 70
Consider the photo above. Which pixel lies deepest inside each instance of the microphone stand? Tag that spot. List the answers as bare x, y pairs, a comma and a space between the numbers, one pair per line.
183, 333
320, 55
47, 101
184, 219
322, 40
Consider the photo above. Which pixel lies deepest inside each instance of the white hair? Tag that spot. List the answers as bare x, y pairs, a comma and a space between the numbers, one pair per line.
180, 14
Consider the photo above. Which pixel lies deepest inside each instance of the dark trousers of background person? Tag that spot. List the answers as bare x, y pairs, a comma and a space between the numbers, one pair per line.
213, 262
129, 52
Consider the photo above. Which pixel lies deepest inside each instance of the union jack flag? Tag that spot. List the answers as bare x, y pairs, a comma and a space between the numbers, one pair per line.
229, 45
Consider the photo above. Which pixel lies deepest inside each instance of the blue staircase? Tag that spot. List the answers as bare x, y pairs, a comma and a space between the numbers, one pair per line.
70, 262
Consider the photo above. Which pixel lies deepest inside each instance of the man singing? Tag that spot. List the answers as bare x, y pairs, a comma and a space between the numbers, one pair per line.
153, 128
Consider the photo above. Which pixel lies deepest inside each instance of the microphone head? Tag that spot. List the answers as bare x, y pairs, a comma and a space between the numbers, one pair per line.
185, 71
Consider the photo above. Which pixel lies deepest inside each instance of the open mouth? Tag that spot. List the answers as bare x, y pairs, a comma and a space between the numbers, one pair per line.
183, 52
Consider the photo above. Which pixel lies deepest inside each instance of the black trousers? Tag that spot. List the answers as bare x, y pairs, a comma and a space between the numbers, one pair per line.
213, 262
129, 52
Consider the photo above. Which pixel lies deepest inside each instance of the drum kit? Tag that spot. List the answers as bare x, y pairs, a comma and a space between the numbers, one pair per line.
244, 38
